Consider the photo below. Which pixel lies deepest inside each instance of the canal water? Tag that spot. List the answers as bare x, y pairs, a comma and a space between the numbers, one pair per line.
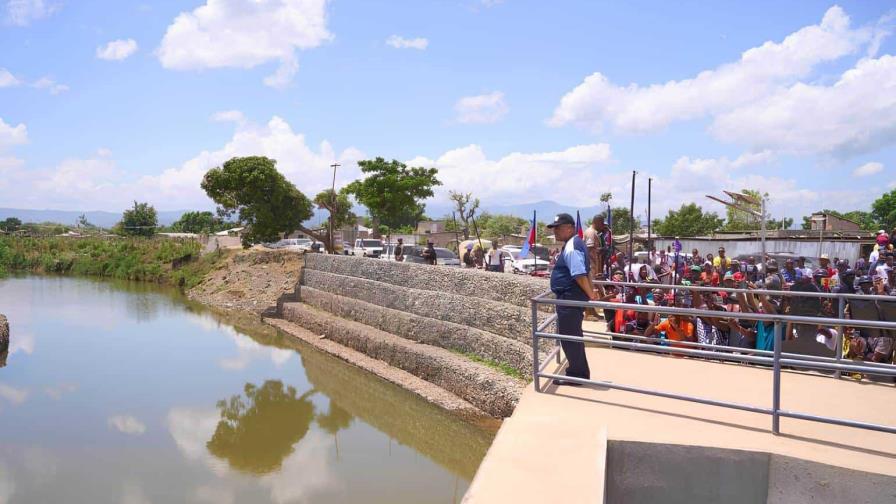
122, 392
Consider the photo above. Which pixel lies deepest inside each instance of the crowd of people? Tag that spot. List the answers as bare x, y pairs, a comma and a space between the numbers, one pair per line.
665, 269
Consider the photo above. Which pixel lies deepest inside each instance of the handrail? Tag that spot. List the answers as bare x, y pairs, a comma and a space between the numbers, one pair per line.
734, 290
765, 317
715, 352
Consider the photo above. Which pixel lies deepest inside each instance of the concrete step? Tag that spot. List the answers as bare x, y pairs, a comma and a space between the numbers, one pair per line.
485, 388
423, 329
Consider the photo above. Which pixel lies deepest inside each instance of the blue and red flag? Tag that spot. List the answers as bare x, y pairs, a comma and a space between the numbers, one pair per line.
579, 230
530, 239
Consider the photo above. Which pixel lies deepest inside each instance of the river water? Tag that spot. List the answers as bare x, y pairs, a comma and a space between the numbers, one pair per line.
122, 392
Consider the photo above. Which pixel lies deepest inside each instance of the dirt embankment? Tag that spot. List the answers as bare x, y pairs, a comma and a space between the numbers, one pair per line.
250, 280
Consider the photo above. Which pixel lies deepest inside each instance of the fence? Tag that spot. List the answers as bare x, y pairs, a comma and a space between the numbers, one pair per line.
775, 358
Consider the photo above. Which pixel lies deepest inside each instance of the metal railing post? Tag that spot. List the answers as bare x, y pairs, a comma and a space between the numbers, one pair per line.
776, 380
841, 313
535, 366
557, 342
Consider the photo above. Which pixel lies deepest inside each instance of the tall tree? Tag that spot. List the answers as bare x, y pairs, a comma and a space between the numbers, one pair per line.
465, 206
392, 192
141, 220
263, 200
883, 210
339, 206
738, 220
501, 226
689, 220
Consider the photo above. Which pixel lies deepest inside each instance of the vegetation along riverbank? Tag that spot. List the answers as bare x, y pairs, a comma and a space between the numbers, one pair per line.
167, 261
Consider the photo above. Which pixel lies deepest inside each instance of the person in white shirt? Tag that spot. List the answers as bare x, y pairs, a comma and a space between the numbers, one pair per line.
493, 260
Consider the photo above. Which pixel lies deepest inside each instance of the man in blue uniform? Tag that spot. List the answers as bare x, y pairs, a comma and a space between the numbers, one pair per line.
570, 280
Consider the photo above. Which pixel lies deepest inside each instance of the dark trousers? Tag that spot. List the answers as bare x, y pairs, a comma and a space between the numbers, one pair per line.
569, 323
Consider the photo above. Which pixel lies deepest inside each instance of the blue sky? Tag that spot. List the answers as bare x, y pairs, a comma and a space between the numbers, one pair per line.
798, 99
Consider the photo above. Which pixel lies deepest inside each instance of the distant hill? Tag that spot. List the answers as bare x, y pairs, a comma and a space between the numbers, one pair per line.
97, 217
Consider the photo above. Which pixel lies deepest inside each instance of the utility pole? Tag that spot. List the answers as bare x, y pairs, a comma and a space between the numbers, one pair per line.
649, 222
332, 208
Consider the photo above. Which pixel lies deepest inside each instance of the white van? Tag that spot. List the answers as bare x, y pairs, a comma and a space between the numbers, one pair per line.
368, 247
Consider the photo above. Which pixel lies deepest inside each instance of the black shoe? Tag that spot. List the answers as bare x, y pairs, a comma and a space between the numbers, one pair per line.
566, 382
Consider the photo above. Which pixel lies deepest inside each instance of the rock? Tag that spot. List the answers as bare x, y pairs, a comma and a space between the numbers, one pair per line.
4, 334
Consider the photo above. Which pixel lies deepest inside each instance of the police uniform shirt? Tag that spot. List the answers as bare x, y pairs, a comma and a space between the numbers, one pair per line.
572, 262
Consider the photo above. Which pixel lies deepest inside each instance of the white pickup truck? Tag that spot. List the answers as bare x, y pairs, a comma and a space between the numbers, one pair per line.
368, 247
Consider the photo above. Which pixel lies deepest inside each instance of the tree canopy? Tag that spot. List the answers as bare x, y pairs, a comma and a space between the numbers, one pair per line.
738, 220
500, 226
689, 220
622, 220
392, 192
883, 210
200, 223
10, 224
141, 220
260, 196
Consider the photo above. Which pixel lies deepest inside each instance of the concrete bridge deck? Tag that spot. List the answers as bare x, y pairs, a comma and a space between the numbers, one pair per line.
552, 449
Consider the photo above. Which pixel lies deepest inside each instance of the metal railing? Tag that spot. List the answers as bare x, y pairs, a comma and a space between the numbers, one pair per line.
775, 358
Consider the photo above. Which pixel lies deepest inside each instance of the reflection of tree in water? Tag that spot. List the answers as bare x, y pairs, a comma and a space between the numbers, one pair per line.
334, 421
257, 435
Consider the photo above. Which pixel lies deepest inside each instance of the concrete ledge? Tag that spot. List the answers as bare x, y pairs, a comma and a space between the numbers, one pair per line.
491, 391
425, 330
502, 288
501, 318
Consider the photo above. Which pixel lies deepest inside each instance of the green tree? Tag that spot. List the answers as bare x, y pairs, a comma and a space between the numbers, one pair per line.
865, 220
392, 192
784, 223
263, 200
500, 226
200, 223
689, 220
141, 220
11, 224
883, 210
739, 220
339, 206
465, 207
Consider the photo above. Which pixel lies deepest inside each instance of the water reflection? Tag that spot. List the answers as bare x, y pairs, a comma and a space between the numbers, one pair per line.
255, 435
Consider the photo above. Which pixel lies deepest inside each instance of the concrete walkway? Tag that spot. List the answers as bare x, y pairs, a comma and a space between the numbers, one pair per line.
552, 448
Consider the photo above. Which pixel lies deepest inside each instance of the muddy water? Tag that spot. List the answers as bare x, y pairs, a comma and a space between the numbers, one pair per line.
127, 393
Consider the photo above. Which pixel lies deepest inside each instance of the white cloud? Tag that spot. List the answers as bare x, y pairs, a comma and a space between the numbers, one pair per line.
56, 392
854, 115
127, 424
399, 42
12, 135
98, 182
7, 483
22, 12
868, 169
523, 177
50, 85
12, 394
485, 108
117, 50
7, 79
758, 73
244, 34
229, 116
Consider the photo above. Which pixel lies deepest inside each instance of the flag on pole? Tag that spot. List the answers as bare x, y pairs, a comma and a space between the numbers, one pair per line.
530, 239
579, 226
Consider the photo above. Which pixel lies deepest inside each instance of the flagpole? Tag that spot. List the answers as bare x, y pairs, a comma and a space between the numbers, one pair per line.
534, 240
478, 237
456, 238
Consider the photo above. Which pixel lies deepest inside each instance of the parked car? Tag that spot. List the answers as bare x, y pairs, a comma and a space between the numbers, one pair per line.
445, 257
368, 247
513, 263
347, 248
294, 244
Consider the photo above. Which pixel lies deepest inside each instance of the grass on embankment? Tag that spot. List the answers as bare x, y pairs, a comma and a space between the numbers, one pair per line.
144, 259
498, 366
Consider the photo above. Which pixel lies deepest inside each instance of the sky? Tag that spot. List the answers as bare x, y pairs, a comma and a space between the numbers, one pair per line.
106, 102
